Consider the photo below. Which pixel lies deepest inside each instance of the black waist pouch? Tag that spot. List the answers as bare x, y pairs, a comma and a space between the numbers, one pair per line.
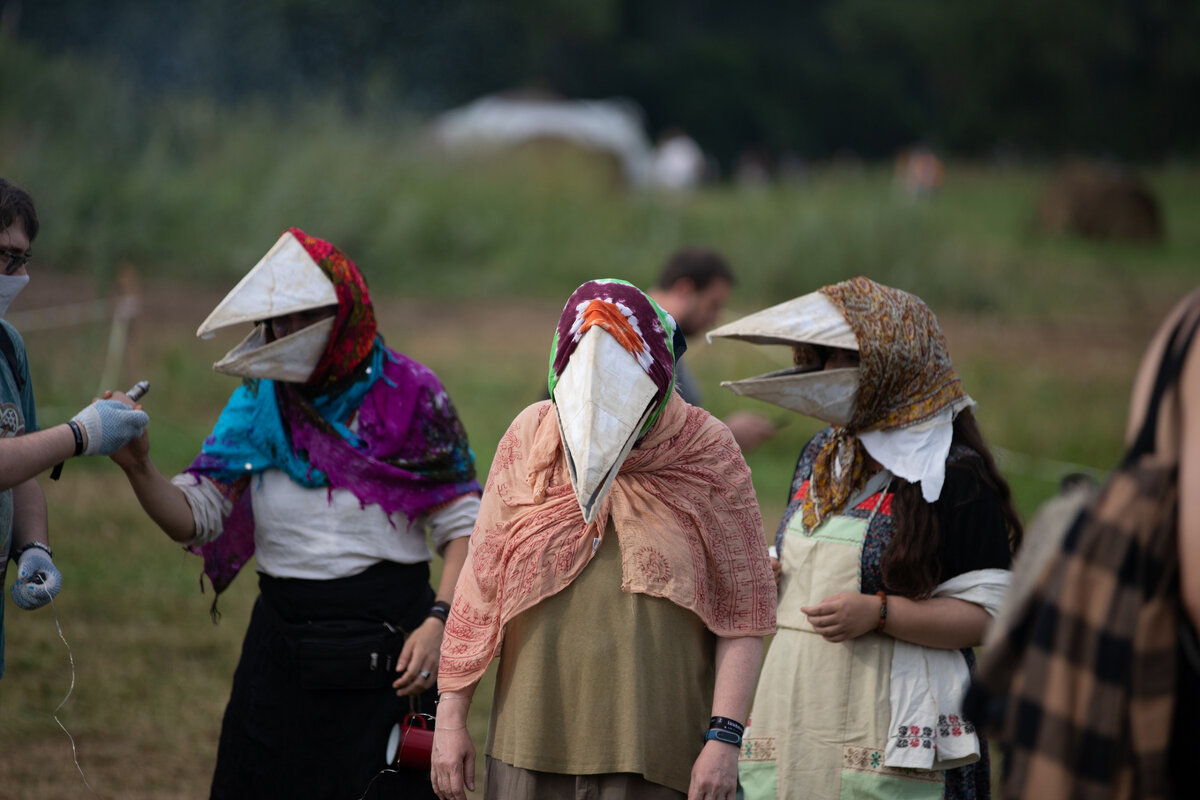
342, 653
346, 654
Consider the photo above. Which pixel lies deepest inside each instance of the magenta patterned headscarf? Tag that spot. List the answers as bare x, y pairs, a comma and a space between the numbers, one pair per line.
408, 453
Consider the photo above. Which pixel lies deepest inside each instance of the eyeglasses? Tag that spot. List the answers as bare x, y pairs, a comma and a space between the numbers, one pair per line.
13, 260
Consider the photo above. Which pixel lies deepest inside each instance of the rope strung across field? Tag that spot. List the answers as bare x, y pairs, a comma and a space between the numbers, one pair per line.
1047, 469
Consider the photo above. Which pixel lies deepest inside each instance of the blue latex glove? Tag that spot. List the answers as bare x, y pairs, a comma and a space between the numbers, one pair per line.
38, 580
110, 425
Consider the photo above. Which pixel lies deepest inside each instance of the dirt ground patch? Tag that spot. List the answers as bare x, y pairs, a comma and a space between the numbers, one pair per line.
497, 334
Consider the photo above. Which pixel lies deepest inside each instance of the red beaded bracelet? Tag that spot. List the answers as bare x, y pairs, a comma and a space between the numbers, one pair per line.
882, 612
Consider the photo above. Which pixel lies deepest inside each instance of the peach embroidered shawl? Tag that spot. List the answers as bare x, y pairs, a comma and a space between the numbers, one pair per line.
686, 518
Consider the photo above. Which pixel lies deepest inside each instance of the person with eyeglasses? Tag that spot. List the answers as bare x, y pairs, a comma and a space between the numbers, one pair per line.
14, 260
99, 429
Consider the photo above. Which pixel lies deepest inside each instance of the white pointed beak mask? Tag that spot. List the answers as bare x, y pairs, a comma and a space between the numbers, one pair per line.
602, 399
807, 320
285, 281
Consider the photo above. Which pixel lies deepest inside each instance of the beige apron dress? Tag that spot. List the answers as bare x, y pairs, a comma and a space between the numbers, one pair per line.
821, 714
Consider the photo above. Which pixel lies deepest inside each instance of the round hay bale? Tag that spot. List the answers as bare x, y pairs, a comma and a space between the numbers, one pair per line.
1099, 201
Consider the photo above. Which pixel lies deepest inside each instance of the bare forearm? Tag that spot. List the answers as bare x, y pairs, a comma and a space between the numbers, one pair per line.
1189, 550
737, 663
1189, 486
453, 557
29, 514
22, 457
453, 707
1189, 522
944, 623
714, 773
163, 501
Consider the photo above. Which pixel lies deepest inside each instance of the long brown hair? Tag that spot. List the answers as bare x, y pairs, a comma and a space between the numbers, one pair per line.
910, 563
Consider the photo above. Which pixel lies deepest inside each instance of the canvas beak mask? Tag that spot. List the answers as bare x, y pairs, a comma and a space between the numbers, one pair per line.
603, 399
286, 280
804, 388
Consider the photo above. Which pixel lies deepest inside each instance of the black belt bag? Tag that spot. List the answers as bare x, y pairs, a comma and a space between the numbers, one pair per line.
342, 653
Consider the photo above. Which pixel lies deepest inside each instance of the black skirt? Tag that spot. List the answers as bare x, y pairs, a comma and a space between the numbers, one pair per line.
279, 739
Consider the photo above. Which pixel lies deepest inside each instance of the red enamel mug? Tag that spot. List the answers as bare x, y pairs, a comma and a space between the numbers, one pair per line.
410, 744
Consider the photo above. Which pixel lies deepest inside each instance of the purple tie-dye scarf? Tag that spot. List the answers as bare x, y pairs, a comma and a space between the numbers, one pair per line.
410, 453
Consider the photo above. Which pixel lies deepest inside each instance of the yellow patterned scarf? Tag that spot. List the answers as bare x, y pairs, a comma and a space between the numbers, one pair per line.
905, 377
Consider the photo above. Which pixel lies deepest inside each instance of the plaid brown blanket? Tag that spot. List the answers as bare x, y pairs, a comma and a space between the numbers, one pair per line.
1079, 684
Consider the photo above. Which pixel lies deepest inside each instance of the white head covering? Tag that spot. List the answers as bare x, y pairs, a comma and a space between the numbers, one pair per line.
284, 281
602, 400
917, 453
611, 372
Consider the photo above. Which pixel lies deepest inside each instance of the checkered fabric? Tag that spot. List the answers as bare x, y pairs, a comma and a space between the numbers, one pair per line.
1080, 687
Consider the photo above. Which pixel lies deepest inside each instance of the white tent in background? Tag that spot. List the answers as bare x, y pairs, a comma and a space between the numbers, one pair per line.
495, 122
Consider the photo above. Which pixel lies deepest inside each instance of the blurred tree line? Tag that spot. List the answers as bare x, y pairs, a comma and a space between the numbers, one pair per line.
813, 78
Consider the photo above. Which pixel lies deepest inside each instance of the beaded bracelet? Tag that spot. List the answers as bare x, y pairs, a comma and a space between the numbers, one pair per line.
882, 612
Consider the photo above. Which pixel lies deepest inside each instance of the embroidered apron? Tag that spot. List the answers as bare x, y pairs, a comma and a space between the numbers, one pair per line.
821, 713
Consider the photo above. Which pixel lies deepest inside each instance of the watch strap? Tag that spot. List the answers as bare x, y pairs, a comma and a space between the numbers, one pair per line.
721, 735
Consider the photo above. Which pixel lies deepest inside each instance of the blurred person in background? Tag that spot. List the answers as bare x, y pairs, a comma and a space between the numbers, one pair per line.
1112, 612
25, 451
679, 163
331, 464
896, 550
917, 173
694, 287
618, 572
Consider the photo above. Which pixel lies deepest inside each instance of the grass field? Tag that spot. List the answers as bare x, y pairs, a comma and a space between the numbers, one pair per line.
469, 270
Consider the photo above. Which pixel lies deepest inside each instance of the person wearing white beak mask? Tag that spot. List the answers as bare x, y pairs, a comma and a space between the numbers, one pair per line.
617, 570
895, 551
99, 429
336, 464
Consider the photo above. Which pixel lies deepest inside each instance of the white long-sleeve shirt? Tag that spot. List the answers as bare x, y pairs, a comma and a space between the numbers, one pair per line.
320, 535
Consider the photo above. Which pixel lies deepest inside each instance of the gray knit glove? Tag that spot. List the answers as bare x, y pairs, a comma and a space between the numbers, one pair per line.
110, 425
38, 580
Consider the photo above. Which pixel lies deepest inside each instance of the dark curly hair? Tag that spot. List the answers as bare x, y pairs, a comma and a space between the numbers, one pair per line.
16, 204
700, 265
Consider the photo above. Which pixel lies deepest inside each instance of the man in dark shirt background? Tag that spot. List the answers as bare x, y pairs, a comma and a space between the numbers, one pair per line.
693, 287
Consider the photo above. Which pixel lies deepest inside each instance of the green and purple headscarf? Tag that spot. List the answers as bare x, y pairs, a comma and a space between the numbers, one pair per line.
636, 321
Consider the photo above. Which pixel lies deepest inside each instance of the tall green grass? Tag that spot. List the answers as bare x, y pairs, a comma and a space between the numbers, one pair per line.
469, 263
196, 191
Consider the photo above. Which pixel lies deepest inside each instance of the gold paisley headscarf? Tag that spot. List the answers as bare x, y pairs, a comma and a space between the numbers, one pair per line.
905, 377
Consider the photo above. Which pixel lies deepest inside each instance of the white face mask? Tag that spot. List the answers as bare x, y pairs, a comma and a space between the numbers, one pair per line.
292, 358
10, 287
602, 400
827, 395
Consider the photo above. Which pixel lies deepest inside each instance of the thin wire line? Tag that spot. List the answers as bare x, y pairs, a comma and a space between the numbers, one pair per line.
375, 777
54, 714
